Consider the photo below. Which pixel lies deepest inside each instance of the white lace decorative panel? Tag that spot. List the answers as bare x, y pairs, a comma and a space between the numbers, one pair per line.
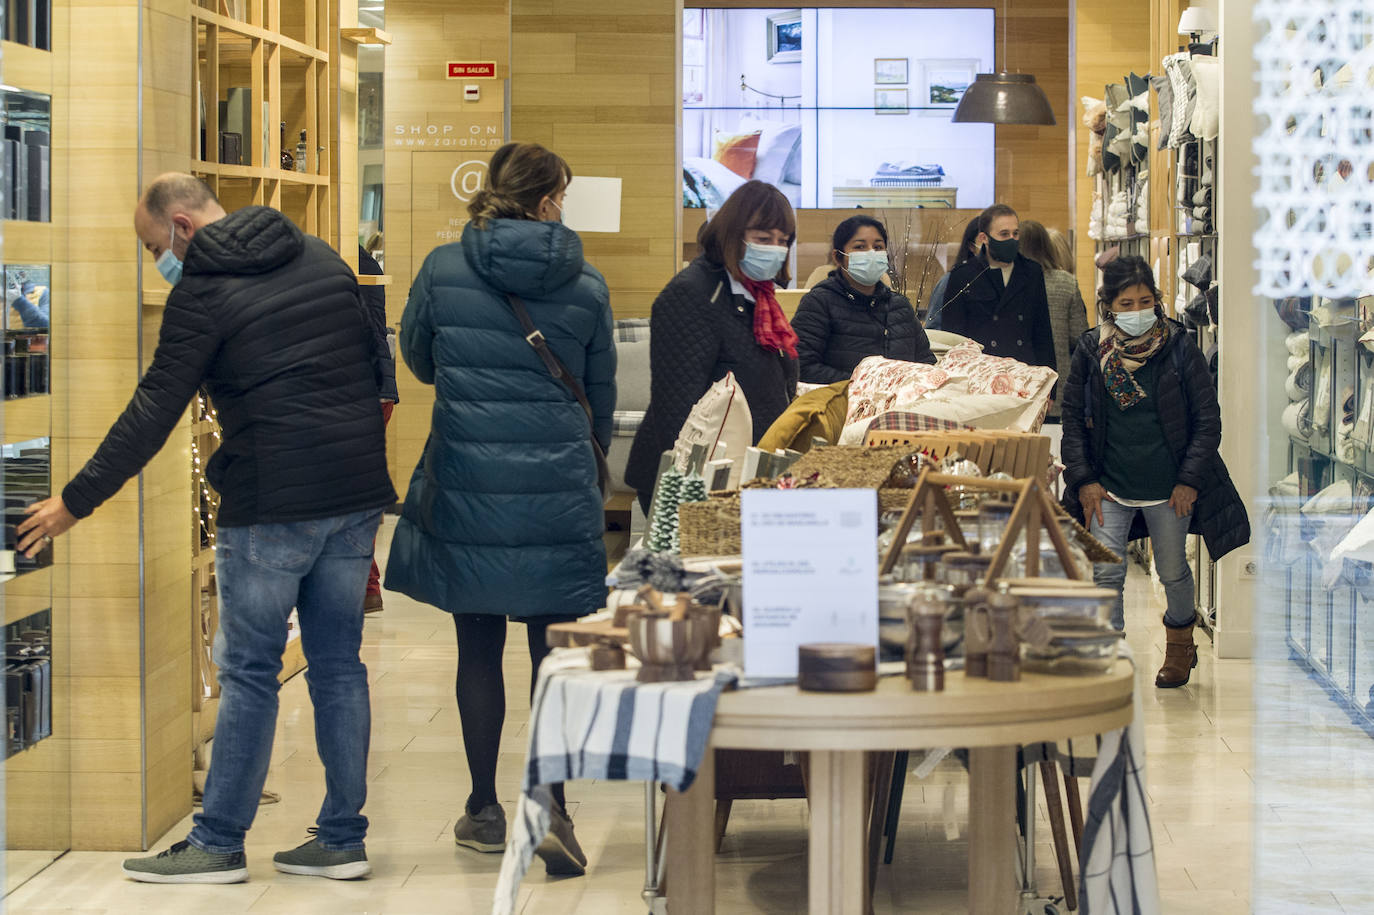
1316, 112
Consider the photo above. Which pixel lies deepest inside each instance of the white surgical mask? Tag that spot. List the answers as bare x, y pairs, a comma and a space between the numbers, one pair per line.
1135, 323
867, 267
762, 262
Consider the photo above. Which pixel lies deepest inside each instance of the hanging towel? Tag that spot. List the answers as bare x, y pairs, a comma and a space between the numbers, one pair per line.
603, 725
1118, 872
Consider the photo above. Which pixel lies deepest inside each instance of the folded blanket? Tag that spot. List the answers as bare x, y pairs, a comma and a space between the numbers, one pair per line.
905, 169
603, 725
1118, 861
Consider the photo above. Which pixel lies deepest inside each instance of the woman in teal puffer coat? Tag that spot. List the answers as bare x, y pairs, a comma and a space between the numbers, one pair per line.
503, 518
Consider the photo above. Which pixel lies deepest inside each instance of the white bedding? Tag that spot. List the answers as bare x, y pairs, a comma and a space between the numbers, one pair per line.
727, 181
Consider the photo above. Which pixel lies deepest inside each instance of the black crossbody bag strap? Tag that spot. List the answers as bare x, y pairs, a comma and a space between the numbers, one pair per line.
558, 370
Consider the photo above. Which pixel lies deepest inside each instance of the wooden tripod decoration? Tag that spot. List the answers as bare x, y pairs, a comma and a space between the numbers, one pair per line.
1033, 510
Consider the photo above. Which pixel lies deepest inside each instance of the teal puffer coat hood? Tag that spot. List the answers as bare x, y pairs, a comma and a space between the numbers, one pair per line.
503, 514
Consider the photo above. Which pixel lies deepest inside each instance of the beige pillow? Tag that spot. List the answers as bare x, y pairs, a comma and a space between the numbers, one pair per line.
720, 417
1206, 123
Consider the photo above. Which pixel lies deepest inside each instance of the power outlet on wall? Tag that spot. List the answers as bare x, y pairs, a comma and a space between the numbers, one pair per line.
1249, 568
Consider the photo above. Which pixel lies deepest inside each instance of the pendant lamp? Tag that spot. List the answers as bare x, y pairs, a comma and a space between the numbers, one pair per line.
1004, 98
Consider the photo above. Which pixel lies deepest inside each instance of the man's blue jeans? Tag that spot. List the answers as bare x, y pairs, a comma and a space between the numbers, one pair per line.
319, 568
1168, 538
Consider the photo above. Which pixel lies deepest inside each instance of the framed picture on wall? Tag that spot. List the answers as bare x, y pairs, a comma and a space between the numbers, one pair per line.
785, 37
891, 71
944, 82
890, 101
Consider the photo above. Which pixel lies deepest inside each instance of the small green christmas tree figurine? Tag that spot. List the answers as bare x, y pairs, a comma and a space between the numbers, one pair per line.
663, 525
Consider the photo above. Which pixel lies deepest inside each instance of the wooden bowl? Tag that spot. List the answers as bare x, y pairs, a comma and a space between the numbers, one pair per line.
668, 649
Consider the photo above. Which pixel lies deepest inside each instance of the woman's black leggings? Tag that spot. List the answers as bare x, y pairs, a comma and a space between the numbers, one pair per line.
481, 689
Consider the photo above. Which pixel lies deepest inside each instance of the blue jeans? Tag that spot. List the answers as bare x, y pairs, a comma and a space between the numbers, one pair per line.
1168, 538
319, 568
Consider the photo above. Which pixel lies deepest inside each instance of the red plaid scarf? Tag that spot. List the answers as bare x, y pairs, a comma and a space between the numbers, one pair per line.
771, 328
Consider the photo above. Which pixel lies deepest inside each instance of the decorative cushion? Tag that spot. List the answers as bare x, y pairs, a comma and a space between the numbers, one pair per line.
1206, 123
967, 387
817, 414
632, 364
998, 374
1185, 97
721, 421
777, 142
738, 152
881, 385
1165, 92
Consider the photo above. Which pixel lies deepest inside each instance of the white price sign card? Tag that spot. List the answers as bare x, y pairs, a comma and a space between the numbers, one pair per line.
810, 573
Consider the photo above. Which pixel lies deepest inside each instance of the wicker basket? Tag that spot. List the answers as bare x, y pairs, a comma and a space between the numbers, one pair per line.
850, 466
710, 528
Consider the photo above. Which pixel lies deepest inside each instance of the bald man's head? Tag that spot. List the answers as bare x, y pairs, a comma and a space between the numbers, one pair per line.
172, 209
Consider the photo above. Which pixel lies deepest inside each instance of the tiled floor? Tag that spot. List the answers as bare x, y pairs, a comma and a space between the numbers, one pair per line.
1203, 756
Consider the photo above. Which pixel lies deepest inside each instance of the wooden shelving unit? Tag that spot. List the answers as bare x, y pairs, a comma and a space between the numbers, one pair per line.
37, 790
280, 54
365, 35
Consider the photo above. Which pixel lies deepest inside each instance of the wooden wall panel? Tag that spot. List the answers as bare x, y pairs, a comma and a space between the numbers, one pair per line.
425, 35
597, 83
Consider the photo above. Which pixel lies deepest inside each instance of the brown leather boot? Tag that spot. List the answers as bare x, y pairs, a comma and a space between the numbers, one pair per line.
1180, 656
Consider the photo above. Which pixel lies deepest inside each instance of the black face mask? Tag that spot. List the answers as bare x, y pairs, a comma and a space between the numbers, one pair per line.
1002, 250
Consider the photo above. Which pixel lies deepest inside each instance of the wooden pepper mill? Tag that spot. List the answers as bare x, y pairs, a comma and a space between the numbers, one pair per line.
1004, 654
926, 663
925, 650
977, 632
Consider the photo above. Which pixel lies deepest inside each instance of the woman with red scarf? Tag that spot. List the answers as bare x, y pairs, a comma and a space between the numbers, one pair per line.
720, 315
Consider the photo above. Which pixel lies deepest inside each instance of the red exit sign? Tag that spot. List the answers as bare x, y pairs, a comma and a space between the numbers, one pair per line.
482, 69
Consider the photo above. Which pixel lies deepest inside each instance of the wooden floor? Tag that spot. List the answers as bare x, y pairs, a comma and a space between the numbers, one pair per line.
1315, 814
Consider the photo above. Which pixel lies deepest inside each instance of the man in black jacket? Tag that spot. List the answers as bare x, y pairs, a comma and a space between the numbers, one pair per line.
271, 323
998, 298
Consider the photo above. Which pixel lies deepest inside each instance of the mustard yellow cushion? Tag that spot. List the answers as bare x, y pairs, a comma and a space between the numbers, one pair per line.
817, 414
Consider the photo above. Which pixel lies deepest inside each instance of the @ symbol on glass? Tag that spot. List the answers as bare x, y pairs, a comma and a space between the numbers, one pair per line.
467, 178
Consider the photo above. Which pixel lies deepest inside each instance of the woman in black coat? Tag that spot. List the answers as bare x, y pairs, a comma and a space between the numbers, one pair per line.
720, 315
852, 314
1141, 433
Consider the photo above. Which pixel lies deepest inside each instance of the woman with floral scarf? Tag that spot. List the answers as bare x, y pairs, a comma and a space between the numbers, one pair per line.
1141, 433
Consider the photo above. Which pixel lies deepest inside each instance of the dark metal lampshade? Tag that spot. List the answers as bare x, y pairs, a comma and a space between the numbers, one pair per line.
1004, 98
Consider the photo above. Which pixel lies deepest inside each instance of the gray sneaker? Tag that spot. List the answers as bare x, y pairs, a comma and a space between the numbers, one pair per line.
483, 831
314, 860
562, 855
184, 863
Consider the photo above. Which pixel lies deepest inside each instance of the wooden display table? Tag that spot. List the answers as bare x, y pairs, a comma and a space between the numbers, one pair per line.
992, 719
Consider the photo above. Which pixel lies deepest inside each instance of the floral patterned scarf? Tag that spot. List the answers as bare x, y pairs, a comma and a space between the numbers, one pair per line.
1120, 356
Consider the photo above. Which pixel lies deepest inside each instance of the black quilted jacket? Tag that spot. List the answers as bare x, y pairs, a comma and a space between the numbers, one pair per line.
271, 323
698, 331
839, 327
1191, 419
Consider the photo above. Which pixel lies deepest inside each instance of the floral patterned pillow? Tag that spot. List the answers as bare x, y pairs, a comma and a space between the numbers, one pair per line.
997, 374
878, 384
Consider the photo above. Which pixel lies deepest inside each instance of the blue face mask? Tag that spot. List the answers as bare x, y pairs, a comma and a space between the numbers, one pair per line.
1134, 323
762, 262
168, 264
867, 267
